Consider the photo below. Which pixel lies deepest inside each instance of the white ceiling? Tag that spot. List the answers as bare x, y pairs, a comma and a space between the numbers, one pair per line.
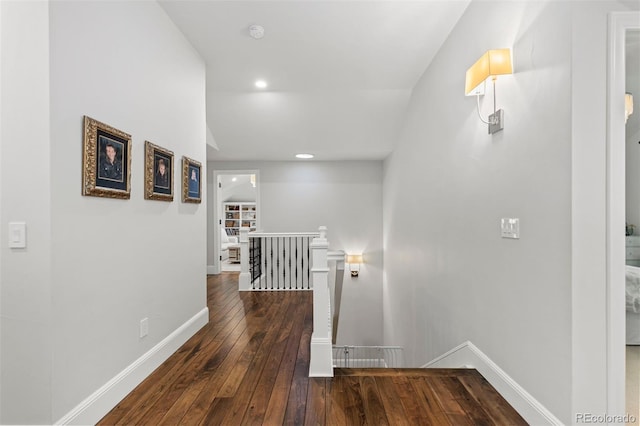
340, 73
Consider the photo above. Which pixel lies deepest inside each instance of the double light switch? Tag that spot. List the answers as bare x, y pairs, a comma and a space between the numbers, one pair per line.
510, 227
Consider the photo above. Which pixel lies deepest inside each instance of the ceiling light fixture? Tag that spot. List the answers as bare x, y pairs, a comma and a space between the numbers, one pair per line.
233, 179
261, 84
256, 31
304, 156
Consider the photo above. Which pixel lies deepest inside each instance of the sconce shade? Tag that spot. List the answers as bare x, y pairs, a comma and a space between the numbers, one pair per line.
628, 106
354, 261
492, 63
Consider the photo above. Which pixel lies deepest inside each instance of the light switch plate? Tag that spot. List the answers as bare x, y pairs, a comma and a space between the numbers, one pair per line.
17, 235
510, 227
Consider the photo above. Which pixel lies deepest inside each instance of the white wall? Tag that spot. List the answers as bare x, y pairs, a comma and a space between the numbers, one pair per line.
536, 306
241, 190
116, 262
449, 277
347, 198
25, 274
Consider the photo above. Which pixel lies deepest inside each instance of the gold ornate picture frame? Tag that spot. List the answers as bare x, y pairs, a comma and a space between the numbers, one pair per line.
106, 161
191, 180
158, 173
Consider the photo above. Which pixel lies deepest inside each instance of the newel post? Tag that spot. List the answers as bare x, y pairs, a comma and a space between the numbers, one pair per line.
321, 363
244, 281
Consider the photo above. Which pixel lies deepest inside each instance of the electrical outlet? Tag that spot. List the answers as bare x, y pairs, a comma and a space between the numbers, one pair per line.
510, 227
144, 327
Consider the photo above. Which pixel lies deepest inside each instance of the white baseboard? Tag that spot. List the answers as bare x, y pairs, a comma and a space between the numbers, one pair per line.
467, 355
96, 405
212, 270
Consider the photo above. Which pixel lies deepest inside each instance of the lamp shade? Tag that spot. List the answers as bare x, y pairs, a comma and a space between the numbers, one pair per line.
492, 63
354, 258
628, 105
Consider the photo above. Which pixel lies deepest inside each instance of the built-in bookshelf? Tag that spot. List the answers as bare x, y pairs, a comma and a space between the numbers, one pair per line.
239, 215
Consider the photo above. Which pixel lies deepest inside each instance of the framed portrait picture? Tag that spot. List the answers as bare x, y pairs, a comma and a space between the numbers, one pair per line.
106, 161
191, 181
158, 173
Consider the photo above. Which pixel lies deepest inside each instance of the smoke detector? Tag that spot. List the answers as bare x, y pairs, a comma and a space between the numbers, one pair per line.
256, 31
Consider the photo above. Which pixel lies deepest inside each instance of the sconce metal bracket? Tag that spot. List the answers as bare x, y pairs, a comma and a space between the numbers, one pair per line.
496, 121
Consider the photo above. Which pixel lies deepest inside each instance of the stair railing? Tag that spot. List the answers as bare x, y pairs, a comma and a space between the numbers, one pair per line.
298, 261
321, 360
349, 356
335, 290
275, 260
325, 313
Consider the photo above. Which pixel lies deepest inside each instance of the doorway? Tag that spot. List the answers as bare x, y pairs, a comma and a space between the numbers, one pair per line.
632, 225
620, 25
236, 206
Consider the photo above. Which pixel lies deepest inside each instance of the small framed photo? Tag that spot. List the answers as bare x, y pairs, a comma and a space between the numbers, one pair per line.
158, 173
106, 161
191, 181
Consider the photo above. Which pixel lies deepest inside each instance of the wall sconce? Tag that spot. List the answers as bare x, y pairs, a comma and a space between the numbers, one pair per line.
628, 106
491, 64
354, 261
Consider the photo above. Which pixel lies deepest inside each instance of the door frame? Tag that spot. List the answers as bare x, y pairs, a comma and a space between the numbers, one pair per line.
217, 217
619, 24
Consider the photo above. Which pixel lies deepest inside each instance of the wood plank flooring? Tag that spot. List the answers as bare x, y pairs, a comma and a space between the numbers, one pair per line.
250, 364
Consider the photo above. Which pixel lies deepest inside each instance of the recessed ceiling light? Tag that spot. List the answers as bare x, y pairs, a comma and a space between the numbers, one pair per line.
261, 84
304, 156
233, 179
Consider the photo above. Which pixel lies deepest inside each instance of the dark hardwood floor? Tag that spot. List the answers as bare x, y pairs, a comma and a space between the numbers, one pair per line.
250, 364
